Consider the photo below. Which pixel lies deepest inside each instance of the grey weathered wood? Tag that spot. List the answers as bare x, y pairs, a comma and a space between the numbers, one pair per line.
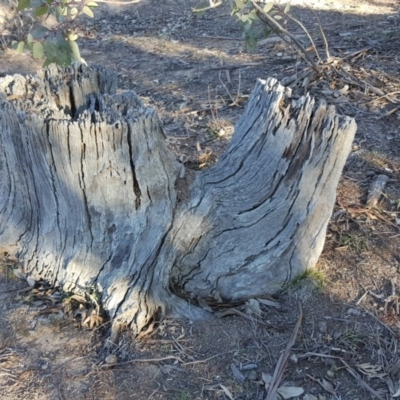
89, 195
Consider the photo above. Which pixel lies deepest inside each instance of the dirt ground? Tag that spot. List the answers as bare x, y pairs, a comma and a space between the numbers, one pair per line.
195, 71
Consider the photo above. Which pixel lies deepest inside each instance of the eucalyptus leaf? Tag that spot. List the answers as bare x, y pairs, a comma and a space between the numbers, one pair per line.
268, 7
240, 4
39, 32
41, 10
88, 11
75, 51
50, 49
23, 4
72, 36
38, 50
288, 392
253, 15
74, 12
20, 47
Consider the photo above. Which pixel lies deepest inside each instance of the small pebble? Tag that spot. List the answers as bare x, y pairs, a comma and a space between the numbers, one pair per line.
252, 376
293, 358
111, 359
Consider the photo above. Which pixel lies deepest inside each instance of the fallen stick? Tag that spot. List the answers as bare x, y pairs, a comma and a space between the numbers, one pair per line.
281, 364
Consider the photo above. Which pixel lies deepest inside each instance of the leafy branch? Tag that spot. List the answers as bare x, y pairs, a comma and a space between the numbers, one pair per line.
57, 44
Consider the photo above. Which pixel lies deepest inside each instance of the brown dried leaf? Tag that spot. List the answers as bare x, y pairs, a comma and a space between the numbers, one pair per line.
78, 298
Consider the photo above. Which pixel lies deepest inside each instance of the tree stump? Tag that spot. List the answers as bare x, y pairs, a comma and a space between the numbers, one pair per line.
90, 195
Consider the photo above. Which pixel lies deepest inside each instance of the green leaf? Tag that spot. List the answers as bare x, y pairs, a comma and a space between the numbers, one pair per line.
39, 32
22, 4
253, 15
250, 42
20, 47
278, 17
50, 49
88, 11
29, 38
60, 12
37, 50
74, 12
41, 10
76, 55
60, 42
287, 8
268, 7
240, 4
72, 36
244, 18
92, 4
47, 62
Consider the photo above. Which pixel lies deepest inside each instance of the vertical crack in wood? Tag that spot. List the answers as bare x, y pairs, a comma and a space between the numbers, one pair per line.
136, 187
83, 186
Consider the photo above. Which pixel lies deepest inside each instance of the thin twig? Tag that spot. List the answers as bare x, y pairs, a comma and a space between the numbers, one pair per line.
307, 33
282, 31
212, 5
224, 86
378, 320
207, 359
281, 364
328, 56
360, 381
385, 96
348, 369
142, 360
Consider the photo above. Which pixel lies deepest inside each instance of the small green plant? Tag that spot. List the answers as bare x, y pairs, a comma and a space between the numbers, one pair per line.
353, 339
55, 44
315, 275
260, 19
182, 396
253, 28
165, 348
356, 241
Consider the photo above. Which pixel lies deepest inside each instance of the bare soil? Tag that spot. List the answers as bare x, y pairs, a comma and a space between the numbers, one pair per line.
195, 71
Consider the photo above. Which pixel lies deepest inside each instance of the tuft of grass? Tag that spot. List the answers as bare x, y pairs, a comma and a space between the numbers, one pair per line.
315, 275
380, 160
356, 241
184, 395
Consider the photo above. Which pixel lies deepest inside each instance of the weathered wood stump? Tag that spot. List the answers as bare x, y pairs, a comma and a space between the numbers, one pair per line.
89, 195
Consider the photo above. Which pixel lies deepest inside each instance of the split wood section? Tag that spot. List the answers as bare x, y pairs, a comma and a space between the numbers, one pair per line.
89, 195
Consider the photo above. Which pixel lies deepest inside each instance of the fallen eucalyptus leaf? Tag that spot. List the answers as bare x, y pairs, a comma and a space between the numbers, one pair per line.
288, 392
226, 391
371, 371
267, 378
237, 374
327, 386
